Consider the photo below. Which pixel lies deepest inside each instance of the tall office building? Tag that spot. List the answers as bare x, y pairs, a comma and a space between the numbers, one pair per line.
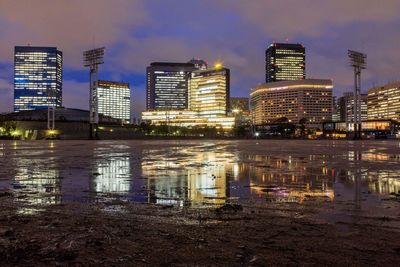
310, 99
209, 92
199, 64
37, 77
167, 85
114, 100
345, 107
384, 102
285, 62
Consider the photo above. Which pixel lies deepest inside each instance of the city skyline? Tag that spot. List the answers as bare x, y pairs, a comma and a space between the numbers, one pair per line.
137, 36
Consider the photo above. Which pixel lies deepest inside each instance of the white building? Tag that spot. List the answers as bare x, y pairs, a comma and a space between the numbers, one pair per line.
114, 100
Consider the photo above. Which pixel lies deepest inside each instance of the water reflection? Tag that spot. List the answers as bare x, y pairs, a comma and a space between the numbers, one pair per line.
37, 182
194, 174
112, 176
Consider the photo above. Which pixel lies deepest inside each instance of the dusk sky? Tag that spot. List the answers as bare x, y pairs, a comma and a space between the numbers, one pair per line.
136, 33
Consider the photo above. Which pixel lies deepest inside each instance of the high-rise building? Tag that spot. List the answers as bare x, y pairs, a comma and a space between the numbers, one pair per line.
37, 77
309, 99
345, 107
285, 62
199, 64
114, 100
167, 85
384, 102
209, 92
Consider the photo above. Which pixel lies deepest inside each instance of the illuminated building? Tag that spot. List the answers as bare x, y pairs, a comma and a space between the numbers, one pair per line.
199, 64
284, 62
37, 77
114, 100
186, 118
209, 92
310, 99
345, 107
384, 102
167, 85
208, 102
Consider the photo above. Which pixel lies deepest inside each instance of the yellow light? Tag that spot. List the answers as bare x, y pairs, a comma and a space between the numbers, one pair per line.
15, 133
218, 65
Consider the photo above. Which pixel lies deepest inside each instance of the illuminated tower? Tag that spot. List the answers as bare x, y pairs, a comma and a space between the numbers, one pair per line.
209, 92
37, 78
285, 62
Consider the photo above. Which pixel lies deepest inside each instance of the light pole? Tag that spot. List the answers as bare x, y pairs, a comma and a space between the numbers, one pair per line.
358, 62
92, 59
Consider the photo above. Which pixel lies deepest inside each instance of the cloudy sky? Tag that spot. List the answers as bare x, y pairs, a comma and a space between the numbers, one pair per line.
236, 32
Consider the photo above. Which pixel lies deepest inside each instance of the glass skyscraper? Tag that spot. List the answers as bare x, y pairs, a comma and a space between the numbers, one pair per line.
114, 100
285, 62
37, 77
167, 85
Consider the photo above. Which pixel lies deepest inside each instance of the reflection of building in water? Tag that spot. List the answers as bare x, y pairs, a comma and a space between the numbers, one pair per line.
289, 180
112, 176
208, 185
200, 180
384, 182
40, 177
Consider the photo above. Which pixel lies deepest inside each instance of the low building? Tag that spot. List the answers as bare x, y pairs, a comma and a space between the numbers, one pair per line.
381, 128
309, 99
186, 118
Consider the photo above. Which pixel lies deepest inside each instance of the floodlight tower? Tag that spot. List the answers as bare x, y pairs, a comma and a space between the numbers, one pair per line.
92, 59
358, 62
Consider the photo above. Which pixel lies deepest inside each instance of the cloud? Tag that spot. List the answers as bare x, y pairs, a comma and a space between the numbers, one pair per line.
6, 95
293, 18
71, 25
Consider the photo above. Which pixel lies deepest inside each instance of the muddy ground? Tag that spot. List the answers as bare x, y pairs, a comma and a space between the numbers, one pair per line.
126, 234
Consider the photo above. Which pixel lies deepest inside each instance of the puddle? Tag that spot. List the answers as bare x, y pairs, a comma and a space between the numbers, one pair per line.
351, 175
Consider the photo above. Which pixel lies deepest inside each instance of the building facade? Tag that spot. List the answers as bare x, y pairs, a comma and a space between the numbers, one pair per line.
345, 108
384, 102
114, 100
209, 92
285, 62
167, 85
37, 77
309, 99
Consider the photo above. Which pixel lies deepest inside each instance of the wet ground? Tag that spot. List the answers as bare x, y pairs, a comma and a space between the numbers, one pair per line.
256, 202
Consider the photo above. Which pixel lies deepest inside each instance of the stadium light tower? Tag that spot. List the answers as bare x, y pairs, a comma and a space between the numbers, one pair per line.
358, 62
92, 59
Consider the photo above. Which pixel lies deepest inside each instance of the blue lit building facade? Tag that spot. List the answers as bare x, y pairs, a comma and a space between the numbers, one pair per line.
37, 78
167, 85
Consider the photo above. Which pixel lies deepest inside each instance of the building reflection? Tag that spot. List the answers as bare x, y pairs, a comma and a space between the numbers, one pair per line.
289, 180
199, 182
112, 175
213, 178
37, 183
